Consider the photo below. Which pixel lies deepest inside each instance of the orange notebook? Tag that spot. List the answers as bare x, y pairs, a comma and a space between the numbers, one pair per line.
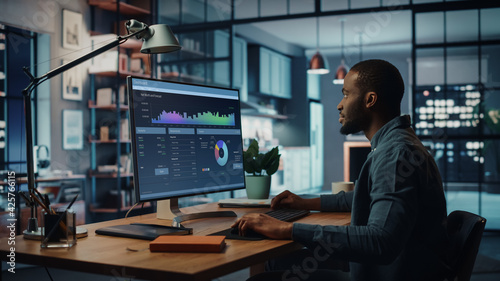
188, 243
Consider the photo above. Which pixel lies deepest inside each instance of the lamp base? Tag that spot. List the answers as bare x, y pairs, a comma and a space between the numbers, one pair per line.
37, 235
33, 235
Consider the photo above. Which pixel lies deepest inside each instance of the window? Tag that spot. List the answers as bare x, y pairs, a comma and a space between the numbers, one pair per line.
456, 104
16, 51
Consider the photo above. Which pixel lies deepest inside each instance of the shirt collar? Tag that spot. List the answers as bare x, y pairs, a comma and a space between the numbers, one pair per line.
403, 122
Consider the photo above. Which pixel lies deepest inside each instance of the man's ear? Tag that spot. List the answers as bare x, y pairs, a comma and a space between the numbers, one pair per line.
370, 99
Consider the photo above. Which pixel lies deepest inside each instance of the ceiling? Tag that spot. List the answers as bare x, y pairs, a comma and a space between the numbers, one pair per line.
386, 31
375, 29
391, 30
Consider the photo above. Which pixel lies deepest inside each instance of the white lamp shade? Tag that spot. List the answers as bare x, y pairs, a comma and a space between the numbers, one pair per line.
161, 40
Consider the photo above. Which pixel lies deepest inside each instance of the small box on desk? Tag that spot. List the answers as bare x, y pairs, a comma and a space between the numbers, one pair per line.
193, 244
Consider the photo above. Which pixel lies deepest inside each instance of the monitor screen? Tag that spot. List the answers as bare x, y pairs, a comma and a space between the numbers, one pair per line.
186, 139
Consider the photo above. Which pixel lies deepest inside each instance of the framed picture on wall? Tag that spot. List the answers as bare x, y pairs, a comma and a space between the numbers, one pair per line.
72, 83
72, 129
71, 29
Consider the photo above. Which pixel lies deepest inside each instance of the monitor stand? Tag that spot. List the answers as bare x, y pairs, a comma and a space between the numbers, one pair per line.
169, 209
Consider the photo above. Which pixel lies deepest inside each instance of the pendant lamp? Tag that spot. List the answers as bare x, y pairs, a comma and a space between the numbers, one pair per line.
342, 69
318, 64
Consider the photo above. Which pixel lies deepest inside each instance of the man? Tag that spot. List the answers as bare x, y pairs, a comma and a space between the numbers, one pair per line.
398, 209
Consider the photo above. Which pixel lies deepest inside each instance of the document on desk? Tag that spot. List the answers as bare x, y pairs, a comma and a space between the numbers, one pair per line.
244, 203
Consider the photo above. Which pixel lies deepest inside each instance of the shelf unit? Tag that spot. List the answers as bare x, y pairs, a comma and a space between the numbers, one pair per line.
117, 147
203, 59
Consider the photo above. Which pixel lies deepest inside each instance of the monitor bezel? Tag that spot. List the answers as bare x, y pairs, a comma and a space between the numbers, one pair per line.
134, 147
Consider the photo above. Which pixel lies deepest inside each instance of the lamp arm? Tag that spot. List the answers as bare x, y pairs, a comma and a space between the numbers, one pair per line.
79, 60
35, 81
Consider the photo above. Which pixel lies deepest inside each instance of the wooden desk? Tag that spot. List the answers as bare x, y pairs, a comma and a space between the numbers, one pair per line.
109, 255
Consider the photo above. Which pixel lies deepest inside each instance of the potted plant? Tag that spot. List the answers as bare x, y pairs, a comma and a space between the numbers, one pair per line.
259, 168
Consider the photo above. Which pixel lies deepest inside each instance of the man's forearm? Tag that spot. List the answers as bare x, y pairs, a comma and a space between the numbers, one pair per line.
312, 204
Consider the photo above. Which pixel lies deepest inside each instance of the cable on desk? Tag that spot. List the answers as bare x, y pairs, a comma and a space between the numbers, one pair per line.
137, 250
50, 276
131, 208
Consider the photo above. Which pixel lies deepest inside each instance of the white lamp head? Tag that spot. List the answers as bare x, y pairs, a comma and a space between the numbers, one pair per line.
156, 38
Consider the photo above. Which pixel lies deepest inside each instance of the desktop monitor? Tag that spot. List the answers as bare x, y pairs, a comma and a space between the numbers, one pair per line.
186, 140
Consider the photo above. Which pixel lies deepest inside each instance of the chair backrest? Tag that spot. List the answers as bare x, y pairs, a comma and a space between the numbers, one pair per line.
465, 231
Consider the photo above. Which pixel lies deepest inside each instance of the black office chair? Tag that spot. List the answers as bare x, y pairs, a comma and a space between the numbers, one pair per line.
465, 231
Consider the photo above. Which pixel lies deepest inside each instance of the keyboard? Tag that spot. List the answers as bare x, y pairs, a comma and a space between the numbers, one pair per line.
287, 214
280, 214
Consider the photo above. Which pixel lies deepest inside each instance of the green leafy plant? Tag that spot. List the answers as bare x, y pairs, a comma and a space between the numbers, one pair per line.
260, 164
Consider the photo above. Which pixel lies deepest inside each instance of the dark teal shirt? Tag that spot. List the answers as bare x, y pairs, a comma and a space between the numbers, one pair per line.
398, 212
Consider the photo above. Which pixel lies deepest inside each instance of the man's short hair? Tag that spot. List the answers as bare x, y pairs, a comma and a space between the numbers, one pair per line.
383, 78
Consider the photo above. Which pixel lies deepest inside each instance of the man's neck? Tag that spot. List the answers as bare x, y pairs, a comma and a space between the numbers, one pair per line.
377, 123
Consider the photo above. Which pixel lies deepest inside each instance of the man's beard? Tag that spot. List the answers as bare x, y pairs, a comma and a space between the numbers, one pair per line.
357, 123
351, 127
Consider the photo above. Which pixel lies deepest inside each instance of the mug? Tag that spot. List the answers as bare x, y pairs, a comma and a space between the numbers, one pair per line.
345, 186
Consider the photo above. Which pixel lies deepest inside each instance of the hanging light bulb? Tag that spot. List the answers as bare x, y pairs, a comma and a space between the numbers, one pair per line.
342, 69
318, 64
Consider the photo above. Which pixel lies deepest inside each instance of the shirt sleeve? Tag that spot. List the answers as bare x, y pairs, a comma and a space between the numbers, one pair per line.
340, 202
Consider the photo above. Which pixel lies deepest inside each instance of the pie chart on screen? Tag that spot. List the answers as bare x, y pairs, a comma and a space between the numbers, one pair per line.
221, 154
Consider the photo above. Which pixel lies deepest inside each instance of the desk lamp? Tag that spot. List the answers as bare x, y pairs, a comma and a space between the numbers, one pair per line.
156, 39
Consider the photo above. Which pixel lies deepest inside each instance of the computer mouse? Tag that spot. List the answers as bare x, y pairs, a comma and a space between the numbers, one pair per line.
248, 233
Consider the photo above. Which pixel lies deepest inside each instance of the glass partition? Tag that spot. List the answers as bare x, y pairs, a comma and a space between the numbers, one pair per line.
456, 104
490, 21
246, 9
429, 27
462, 26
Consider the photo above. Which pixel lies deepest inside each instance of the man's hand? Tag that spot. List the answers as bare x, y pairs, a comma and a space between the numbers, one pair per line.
289, 200
264, 224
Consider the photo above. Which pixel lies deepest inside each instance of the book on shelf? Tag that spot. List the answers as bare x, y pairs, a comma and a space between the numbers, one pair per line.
104, 97
123, 197
136, 66
107, 96
124, 130
67, 192
126, 163
104, 133
122, 95
109, 169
